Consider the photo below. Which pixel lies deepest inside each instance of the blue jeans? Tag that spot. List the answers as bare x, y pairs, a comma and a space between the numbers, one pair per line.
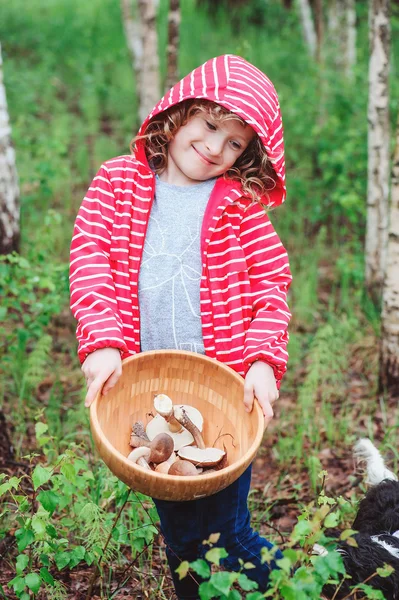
185, 525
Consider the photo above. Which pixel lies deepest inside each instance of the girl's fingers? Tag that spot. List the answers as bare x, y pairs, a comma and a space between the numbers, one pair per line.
93, 390
248, 398
111, 381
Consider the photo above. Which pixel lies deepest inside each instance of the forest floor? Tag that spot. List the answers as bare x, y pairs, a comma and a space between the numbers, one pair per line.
276, 498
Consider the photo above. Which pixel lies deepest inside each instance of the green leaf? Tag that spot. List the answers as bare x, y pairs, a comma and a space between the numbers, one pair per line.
41, 475
45, 560
331, 520
62, 559
21, 563
215, 555
255, 596
40, 428
207, 591
222, 581
24, 537
46, 576
76, 556
49, 500
51, 530
385, 571
33, 581
346, 534
13, 482
69, 472
372, 593
182, 569
201, 567
284, 564
245, 583
38, 526
18, 584
234, 595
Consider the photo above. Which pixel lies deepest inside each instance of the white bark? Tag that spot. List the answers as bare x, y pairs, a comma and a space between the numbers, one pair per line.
149, 80
350, 60
9, 192
131, 26
378, 144
308, 27
389, 360
342, 33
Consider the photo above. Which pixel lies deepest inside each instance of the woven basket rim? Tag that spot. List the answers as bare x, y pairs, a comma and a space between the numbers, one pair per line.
161, 477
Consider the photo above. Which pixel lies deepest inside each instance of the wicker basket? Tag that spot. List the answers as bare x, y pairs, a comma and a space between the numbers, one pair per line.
188, 378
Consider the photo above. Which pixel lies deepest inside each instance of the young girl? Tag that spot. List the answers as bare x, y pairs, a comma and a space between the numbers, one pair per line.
172, 248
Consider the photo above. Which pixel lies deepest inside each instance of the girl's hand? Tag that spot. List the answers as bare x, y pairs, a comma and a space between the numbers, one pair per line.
101, 367
260, 383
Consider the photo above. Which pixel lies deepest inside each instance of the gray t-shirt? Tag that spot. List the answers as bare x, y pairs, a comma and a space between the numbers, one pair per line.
170, 272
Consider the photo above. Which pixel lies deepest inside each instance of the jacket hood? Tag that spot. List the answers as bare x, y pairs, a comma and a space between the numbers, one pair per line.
244, 90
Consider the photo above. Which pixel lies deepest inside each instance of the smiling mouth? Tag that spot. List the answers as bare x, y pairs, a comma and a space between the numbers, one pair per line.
204, 158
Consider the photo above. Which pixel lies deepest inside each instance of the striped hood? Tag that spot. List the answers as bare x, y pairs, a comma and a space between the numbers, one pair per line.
242, 89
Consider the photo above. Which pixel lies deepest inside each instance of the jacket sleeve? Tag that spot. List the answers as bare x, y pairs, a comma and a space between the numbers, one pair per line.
270, 278
93, 297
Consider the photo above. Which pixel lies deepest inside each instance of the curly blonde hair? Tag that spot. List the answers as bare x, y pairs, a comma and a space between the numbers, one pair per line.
252, 169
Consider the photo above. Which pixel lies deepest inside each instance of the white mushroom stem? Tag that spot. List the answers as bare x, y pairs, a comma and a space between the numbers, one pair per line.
140, 456
182, 417
164, 407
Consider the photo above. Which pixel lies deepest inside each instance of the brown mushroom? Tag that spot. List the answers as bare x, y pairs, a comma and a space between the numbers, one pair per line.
161, 447
183, 468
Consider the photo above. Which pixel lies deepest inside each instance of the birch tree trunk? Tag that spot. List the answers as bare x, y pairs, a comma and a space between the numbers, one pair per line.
149, 80
342, 34
378, 145
9, 192
131, 27
172, 50
308, 27
389, 357
319, 21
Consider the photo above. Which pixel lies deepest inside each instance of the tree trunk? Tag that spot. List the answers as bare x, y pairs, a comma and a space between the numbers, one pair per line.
342, 33
389, 357
318, 16
131, 26
172, 50
308, 28
350, 28
149, 75
9, 192
378, 145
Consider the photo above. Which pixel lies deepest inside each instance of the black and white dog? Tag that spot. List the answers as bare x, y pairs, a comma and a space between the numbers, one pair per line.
377, 524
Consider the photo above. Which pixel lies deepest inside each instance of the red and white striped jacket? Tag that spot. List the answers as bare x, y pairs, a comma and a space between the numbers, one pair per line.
245, 271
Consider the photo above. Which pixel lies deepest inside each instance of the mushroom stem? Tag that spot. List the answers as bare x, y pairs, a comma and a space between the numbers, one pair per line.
160, 448
164, 407
182, 417
140, 456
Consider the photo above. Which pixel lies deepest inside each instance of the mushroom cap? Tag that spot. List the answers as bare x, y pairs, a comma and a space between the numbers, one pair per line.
205, 458
183, 468
181, 438
161, 448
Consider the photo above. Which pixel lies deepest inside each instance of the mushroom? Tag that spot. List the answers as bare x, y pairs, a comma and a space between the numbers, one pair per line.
139, 429
140, 456
205, 457
183, 468
164, 407
181, 415
159, 425
164, 467
161, 447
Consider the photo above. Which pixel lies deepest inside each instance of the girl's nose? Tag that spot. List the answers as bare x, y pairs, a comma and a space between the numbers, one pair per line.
214, 144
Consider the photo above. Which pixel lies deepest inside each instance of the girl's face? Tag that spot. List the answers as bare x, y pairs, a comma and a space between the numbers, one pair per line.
204, 148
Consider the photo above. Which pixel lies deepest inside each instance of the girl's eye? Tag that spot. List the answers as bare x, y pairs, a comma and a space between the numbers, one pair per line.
236, 145
210, 126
